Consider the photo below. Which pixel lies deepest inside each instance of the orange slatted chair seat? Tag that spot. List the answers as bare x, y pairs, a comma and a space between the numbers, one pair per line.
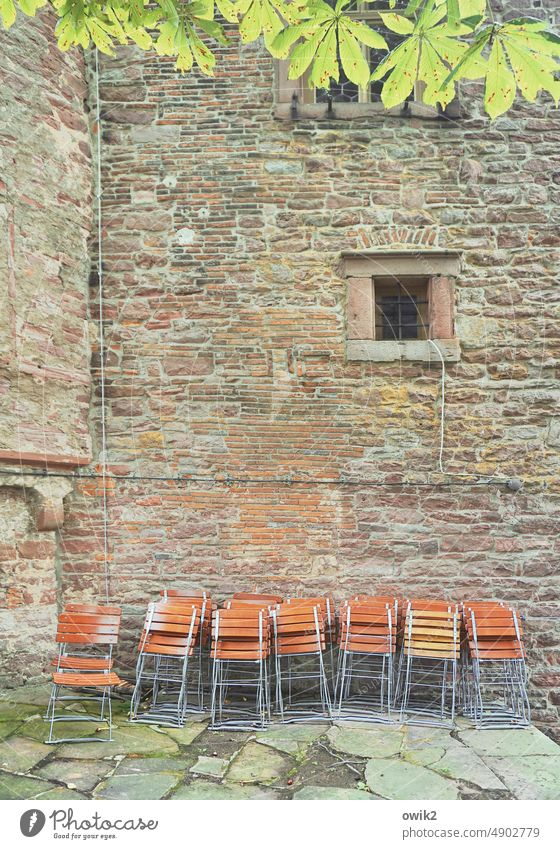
87, 679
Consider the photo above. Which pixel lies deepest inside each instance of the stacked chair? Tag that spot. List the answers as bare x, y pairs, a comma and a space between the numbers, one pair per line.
327, 608
367, 644
167, 663
86, 635
300, 646
258, 598
428, 664
203, 600
240, 652
495, 675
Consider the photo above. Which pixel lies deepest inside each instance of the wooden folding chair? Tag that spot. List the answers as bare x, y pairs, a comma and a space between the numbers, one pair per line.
497, 672
429, 655
367, 643
299, 649
86, 635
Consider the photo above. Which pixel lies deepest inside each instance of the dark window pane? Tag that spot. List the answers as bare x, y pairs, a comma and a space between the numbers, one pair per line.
341, 92
401, 309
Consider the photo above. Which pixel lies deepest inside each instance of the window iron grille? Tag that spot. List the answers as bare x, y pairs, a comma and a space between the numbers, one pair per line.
401, 311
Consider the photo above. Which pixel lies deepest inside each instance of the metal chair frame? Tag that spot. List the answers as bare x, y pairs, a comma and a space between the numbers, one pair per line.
302, 709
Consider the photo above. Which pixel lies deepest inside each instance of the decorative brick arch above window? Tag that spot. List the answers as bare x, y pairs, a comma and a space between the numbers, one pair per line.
398, 301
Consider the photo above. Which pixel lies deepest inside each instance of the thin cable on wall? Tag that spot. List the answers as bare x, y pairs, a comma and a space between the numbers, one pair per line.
103, 452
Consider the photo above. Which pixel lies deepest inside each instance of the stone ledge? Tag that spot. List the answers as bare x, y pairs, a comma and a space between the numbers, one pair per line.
40, 459
418, 350
349, 111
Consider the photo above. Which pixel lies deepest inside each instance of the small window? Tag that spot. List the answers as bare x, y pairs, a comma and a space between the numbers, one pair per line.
394, 312
401, 309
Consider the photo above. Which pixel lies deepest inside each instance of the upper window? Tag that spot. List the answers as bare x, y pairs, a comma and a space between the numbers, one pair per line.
345, 99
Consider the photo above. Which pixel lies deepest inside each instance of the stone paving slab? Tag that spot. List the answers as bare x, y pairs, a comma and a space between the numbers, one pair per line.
397, 779
138, 766
18, 754
509, 742
200, 790
23, 787
77, 775
365, 740
129, 739
210, 766
342, 760
29, 694
322, 793
258, 764
530, 776
143, 786
292, 739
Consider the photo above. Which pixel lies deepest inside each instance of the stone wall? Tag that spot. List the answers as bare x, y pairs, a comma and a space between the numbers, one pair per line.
223, 230
229, 395
45, 221
45, 215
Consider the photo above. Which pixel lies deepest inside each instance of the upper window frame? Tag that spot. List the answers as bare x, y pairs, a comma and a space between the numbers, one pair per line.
295, 99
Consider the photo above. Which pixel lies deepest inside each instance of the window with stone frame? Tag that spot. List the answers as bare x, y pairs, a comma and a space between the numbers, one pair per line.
397, 301
295, 98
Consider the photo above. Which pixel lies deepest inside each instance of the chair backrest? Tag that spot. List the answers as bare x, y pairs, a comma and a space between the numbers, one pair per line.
99, 609
367, 627
432, 631
170, 629
258, 597
178, 592
240, 633
83, 628
299, 628
251, 603
493, 632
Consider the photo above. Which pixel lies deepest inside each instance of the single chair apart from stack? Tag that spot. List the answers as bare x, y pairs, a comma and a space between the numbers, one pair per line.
495, 674
302, 684
367, 643
167, 663
427, 676
240, 651
86, 635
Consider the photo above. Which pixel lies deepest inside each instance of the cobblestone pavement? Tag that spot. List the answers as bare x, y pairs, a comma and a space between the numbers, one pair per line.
343, 760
